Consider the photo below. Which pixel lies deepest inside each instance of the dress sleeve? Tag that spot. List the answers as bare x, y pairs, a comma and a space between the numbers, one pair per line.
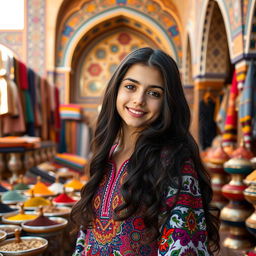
79, 249
185, 233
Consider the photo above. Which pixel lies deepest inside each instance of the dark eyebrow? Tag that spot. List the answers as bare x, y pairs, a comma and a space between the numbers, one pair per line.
150, 86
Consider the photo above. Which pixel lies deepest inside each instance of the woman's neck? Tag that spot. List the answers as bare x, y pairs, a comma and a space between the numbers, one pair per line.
127, 140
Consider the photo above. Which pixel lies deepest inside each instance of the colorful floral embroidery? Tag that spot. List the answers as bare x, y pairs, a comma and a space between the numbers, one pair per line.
189, 252
184, 234
191, 223
165, 239
138, 224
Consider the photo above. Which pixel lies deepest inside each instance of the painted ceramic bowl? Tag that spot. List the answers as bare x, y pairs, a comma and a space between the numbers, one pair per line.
215, 168
5, 218
238, 166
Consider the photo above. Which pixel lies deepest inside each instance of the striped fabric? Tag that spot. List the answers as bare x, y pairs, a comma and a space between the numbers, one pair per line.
230, 130
71, 161
246, 111
70, 112
75, 133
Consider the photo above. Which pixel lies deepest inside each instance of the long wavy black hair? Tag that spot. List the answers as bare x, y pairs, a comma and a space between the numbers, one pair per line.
148, 179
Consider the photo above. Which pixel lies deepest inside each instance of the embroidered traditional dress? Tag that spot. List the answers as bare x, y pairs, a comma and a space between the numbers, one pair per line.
184, 233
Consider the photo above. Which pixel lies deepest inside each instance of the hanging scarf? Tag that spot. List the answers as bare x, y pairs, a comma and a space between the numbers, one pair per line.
230, 130
222, 113
246, 104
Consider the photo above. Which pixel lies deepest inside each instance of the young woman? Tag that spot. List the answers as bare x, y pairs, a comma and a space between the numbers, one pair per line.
149, 193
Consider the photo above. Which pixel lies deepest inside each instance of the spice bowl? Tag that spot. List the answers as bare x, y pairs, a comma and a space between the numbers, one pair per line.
15, 211
9, 229
64, 204
9, 247
15, 222
55, 211
61, 224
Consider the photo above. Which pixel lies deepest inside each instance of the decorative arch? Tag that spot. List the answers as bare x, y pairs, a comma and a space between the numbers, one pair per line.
214, 49
188, 83
205, 22
9, 51
95, 60
160, 24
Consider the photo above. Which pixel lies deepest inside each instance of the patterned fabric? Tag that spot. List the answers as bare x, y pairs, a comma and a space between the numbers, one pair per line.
246, 110
230, 133
183, 234
222, 113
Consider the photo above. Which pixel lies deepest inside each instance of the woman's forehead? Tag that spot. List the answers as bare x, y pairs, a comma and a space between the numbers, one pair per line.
144, 74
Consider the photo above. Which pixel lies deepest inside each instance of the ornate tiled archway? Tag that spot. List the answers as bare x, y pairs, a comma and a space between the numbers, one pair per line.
83, 27
96, 63
90, 14
214, 48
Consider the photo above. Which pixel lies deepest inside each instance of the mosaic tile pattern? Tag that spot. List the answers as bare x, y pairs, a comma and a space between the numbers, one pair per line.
36, 35
207, 21
102, 60
247, 5
214, 49
112, 25
217, 47
252, 45
235, 14
148, 8
13, 41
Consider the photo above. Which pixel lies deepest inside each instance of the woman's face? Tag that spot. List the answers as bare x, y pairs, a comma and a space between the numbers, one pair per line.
140, 96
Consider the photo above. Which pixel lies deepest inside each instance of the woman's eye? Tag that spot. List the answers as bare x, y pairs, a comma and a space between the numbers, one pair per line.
154, 94
129, 86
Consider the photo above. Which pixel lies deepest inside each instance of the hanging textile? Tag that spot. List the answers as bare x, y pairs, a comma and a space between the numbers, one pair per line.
28, 104
38, 101
75, 133
207, 125
44, 94
246, 111
4, 102
14, 121
230, 130
7, 105
222, 113
57, 122
29, 114
23, 77
62, 144
32, 86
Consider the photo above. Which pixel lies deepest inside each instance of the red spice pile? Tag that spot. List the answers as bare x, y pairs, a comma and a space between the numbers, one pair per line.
63, 198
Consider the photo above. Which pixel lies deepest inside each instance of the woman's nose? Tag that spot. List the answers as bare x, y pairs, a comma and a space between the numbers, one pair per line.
139, 98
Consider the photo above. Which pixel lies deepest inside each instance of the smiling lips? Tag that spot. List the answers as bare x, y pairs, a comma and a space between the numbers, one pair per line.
135, 112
